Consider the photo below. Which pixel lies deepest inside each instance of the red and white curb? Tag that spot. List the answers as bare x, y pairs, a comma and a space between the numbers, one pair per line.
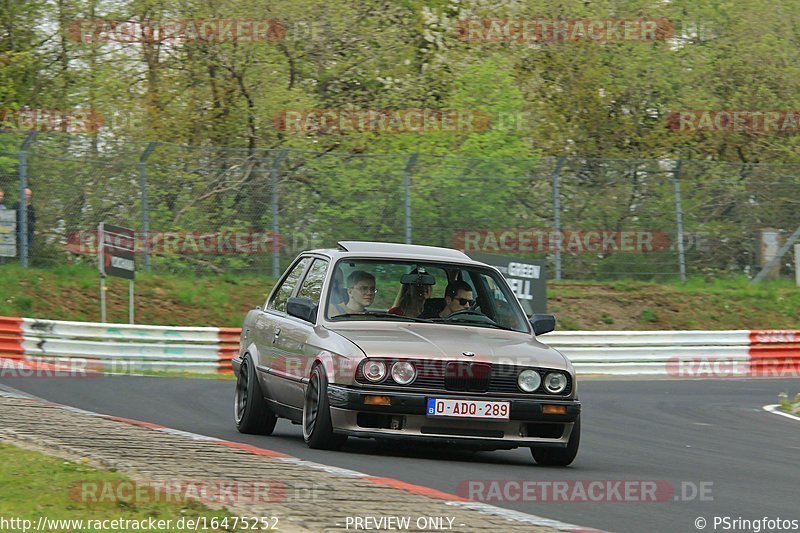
449, 499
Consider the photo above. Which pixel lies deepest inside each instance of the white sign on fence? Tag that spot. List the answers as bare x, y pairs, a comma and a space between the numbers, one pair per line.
797, 263
8, 233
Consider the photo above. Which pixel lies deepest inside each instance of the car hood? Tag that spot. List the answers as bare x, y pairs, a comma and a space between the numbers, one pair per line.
439, 341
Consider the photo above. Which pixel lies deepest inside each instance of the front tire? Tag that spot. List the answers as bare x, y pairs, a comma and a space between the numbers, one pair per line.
317, 426
250, 409
560, 456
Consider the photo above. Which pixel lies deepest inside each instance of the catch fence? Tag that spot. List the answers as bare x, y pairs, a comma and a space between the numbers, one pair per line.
222, 209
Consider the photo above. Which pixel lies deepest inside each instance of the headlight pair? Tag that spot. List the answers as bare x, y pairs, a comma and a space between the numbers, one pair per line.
402, 372
529, 380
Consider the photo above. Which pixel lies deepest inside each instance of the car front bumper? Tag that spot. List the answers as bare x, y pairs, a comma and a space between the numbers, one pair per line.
406, 417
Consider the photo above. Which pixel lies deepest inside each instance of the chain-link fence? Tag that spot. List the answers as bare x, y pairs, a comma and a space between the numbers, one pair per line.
223, 209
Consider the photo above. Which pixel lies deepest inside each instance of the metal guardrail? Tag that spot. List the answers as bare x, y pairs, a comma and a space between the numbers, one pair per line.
678, 353
647, 338
126, 348
682, 354
118, 347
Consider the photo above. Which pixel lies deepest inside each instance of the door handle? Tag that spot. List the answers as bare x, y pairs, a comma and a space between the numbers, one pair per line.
277, 334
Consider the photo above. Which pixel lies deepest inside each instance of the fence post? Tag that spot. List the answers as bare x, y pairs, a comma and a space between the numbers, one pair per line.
276, 251
557, 212
407, 191
676, 173
143, 193
22, 230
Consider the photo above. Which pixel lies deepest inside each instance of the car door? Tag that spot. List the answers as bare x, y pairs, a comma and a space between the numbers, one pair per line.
268, 327
293, 352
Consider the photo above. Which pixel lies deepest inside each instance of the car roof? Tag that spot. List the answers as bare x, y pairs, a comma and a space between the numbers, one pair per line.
390, 250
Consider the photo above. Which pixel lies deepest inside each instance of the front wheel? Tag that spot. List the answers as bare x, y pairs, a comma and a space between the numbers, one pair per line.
317, 426
251, 412
560, 456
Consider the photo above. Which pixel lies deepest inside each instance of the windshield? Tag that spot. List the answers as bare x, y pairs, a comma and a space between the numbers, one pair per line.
406, 291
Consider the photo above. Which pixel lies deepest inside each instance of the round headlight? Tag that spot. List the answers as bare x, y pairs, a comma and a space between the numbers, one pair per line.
555, 382
403, 372
529, 380
375, 370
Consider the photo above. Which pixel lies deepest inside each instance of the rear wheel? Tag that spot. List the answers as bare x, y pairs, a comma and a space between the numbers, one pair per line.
317, 426
560, 456
251, 412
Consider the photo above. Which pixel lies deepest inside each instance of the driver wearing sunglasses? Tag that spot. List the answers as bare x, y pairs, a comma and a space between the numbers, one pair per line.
457, 297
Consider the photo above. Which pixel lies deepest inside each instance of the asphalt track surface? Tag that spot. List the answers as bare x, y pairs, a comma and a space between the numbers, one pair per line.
693, 434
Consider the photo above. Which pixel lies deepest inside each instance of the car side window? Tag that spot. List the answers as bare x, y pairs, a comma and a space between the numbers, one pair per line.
500, 305
278, 301
312, 285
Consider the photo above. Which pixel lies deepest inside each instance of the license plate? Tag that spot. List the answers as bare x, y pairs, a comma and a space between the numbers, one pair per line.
468, 408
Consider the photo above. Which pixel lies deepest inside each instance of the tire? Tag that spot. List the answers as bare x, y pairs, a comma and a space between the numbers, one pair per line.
250, 409
560, 456
317, 427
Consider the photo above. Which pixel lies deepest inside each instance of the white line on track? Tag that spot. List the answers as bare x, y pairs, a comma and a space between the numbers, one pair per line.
775, 409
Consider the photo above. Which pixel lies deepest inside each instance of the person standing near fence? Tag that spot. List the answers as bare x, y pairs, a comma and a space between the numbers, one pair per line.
31, 222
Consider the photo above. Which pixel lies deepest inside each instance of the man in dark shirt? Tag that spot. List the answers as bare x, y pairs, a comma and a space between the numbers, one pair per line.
457, 297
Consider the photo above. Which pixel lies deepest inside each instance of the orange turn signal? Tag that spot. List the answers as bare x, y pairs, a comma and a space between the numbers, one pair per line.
377, 400
554, 409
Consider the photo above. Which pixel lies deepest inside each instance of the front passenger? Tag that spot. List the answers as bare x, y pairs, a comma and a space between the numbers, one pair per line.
361, 293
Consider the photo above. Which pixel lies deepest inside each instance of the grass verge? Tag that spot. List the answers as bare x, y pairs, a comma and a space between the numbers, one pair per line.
793, 406
698, 304
33, 484
70, 292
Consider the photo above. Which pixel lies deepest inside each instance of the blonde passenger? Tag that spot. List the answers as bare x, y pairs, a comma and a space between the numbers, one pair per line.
411, 300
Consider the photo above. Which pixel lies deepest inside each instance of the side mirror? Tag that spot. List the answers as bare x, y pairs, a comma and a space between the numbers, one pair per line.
302, 308
543, 324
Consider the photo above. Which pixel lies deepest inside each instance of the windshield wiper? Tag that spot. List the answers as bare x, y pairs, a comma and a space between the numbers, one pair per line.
472, 317
460, 320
